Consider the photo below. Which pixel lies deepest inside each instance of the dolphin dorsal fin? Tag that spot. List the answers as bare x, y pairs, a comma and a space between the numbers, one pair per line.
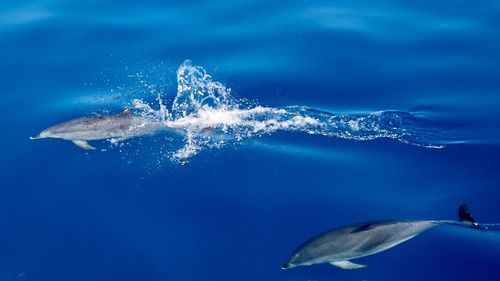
464, 214
347, 265
126, 111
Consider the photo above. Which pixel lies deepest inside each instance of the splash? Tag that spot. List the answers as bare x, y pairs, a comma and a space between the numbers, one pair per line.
209, 117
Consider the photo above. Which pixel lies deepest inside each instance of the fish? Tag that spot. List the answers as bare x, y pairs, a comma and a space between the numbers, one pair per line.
339, 246
116, 127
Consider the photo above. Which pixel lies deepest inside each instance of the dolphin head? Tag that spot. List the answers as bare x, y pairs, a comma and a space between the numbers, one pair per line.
42, 135
288, 265
59, 130
292, 262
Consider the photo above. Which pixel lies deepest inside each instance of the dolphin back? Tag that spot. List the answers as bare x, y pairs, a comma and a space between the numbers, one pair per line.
340, 245
357, 240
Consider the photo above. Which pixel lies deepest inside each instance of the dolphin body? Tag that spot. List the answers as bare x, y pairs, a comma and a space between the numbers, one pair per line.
117, 127
340, 245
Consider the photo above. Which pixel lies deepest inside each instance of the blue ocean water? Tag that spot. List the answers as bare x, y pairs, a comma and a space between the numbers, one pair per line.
338, 112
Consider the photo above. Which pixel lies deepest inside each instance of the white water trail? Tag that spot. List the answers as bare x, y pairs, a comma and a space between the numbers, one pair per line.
209, 117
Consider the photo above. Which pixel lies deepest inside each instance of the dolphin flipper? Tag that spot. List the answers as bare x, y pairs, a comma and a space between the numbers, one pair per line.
83, 144
347, 265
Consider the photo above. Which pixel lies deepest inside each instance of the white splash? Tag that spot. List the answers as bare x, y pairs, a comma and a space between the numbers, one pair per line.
207, 116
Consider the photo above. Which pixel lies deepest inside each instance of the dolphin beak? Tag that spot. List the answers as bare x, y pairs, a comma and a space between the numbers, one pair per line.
35, 137
286, 266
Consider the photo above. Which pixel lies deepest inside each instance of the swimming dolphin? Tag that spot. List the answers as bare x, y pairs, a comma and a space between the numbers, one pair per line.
119, 127
340, 245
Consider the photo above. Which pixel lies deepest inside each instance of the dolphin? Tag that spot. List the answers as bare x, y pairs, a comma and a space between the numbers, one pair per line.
116, 127
338, 246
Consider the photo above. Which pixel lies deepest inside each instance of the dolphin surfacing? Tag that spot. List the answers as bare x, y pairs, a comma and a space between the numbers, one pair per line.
340, 245
120, 126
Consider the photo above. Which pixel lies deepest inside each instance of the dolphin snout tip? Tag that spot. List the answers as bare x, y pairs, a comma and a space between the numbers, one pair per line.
35, 137
286, 266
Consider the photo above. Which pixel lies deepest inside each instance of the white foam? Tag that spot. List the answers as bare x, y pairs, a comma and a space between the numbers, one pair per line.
209, 117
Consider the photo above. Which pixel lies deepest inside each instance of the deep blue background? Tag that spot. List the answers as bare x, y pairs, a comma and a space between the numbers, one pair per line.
237, 213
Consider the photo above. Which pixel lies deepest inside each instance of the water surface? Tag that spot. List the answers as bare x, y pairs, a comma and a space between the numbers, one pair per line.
236, 210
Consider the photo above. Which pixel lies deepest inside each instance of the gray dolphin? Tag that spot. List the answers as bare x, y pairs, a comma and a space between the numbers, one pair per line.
340, 245
119, 127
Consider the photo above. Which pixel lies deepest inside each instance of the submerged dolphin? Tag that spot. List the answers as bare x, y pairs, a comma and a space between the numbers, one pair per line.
121, 126
340, 245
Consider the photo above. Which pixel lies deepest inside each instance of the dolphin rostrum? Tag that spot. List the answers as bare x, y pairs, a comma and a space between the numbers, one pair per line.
340, 245
117, 127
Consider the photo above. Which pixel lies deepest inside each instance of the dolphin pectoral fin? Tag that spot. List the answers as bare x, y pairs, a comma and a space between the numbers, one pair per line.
83, 144
347, 265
